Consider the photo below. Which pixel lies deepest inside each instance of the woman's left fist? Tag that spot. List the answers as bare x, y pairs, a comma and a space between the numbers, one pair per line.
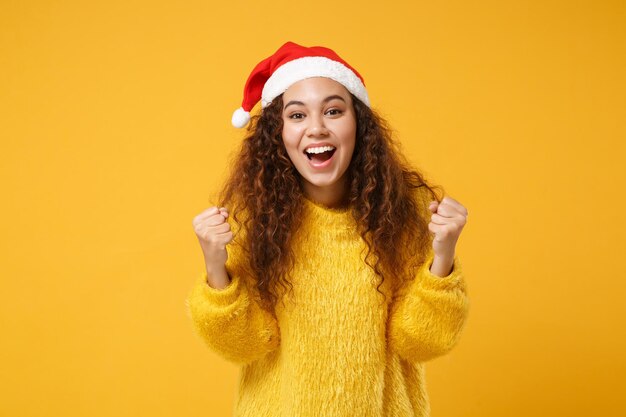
446, 222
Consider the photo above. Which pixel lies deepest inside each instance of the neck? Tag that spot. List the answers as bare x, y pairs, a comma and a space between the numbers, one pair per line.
333, 196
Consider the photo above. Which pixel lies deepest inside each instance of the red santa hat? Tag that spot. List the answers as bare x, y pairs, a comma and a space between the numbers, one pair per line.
290, 64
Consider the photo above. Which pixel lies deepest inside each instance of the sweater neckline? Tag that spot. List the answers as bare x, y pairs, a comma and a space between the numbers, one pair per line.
319, 207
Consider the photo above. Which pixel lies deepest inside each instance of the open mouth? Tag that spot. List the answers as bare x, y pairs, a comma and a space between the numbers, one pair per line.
320, 157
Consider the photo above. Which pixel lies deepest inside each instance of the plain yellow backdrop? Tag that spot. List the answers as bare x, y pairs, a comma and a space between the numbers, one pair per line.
115, 128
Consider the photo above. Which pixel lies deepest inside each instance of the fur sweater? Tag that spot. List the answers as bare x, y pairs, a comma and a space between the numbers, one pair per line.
335, 347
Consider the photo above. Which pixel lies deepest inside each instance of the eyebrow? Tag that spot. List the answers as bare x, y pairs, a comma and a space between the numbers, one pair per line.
326, 100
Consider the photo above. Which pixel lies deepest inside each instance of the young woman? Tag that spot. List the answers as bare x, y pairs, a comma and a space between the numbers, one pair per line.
330, 267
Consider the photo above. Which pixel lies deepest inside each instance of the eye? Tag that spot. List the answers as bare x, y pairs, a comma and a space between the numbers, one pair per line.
337, 111
291, 116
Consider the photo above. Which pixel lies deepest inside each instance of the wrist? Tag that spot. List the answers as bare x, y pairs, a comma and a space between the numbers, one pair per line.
442, 265
446, 257
217, 275
210, 267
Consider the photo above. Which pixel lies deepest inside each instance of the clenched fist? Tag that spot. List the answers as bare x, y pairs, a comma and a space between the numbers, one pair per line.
213, 232
446, 224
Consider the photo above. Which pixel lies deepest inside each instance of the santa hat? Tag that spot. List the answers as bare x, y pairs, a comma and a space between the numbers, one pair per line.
290, 64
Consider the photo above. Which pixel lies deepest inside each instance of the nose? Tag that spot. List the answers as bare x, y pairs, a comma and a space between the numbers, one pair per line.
317, 127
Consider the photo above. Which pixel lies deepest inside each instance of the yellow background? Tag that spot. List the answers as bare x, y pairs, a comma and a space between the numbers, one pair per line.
115, 128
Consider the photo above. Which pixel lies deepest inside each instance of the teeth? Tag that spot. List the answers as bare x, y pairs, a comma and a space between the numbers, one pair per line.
320, 149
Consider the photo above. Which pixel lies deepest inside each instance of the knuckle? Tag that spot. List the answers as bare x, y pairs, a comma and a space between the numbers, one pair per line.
210, 237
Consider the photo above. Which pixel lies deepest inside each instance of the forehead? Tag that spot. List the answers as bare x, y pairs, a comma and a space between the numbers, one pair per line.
315, 87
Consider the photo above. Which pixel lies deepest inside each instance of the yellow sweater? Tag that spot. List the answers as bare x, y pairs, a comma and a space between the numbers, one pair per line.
335, 348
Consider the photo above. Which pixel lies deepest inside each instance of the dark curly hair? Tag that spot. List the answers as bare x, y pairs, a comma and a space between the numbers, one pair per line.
387, 198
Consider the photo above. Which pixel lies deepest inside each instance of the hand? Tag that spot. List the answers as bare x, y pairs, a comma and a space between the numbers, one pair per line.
446, 224
213, 232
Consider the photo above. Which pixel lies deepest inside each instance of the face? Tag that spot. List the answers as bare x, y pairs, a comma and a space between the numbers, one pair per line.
318, 116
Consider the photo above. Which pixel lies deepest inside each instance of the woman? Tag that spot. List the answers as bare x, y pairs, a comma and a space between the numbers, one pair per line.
339, 277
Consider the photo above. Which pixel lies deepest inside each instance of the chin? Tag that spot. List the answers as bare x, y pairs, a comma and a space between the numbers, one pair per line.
322, 183
323, 180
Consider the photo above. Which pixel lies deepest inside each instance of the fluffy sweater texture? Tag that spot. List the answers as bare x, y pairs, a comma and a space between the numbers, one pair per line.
336, 347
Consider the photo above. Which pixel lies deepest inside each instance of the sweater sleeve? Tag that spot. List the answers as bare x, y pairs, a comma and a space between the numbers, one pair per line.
230, 320
429, 313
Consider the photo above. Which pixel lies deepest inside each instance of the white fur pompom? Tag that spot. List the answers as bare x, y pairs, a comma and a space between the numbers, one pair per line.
240, 118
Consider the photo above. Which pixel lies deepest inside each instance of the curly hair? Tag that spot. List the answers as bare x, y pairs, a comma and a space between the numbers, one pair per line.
387, 198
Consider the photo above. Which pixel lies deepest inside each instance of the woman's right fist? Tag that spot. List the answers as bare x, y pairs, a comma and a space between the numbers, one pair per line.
213, 232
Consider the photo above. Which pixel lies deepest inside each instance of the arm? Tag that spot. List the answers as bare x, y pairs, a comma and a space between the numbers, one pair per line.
428, 314
230, 320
